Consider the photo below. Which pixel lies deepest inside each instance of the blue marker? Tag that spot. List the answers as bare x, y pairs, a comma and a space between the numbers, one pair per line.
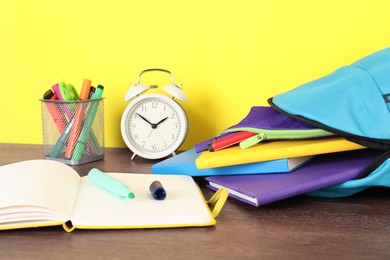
157, 190
62, 140
110, 184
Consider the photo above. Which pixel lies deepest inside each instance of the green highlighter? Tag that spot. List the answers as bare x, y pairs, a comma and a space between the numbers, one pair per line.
80, 146
110, 184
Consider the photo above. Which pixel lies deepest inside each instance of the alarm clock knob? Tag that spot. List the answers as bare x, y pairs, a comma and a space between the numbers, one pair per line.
134, 91
175, 91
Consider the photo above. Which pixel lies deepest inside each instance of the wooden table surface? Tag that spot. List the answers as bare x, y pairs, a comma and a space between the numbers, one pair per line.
357, 227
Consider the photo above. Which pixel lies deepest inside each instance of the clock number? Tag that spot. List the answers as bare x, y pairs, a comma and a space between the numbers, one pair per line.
143, 108
154, 147
136, 136
154, 104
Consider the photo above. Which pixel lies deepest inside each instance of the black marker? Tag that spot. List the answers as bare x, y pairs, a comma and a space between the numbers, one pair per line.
157, 191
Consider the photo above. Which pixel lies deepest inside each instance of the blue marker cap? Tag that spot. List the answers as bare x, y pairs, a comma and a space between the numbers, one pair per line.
157, 190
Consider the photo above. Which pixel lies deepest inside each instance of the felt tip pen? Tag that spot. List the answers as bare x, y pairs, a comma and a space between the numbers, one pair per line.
229, 140
84, 93
157, 190
93, 107
57, 91
57, 116
61, 142
91, 92
78, 119
110, 184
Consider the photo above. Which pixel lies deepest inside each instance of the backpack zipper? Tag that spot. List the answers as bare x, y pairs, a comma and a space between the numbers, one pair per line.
362, 140
262, 134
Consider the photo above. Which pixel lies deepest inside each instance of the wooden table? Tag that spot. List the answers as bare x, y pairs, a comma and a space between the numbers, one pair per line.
302, 227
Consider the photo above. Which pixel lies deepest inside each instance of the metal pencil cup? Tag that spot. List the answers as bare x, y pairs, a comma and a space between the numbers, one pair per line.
73, 131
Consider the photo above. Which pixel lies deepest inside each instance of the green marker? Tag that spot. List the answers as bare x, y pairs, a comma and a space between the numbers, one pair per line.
80, 146
110, 184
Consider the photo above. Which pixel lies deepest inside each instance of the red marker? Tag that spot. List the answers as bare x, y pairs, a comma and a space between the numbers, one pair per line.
58, 117
229, 140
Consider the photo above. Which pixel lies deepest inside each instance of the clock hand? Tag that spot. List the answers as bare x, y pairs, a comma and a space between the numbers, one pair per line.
151, 130
154, 126
145, 119
162, 120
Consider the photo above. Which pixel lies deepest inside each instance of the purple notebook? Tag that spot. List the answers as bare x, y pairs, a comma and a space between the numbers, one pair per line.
323, 171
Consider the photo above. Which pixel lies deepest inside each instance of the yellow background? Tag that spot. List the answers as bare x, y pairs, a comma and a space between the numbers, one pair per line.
229, 55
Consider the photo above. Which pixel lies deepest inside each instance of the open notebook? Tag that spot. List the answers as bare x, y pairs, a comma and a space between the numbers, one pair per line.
47, 193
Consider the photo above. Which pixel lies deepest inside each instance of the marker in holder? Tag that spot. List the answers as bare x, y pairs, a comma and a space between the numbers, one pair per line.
157, 190
58, 118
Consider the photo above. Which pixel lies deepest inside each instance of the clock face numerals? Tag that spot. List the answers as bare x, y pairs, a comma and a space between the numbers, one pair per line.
154, 126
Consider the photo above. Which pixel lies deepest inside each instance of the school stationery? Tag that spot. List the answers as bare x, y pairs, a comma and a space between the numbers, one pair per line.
110, 184
77, 119
267, 124
56, 114
40, 193
324, 170
184, 163
157, 190
229, 140
274, 150
81, 127
86, 129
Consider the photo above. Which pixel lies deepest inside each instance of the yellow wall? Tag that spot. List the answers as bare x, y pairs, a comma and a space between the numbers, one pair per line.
229, 55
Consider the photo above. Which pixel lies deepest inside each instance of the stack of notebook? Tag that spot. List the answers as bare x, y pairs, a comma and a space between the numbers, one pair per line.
284, 162
259, 180
309, 120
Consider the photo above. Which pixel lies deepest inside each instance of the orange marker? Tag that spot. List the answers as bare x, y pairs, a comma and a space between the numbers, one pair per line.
78, 119
84, 93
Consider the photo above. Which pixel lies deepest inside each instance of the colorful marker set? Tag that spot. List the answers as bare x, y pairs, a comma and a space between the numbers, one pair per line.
73, 123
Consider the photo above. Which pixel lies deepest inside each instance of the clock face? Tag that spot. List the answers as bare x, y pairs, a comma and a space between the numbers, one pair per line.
154, 126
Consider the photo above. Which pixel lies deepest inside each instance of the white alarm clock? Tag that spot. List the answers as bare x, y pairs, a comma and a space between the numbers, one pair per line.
154, 126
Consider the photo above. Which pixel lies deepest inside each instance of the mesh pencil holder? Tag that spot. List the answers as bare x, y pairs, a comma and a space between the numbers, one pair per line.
73, 131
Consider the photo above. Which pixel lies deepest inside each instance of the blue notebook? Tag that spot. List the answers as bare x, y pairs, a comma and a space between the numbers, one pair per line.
184, 164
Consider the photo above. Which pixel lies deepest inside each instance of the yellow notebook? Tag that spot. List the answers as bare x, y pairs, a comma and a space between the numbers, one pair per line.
273, 150
47, 193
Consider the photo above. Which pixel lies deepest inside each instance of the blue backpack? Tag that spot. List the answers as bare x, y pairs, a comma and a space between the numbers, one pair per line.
353, 102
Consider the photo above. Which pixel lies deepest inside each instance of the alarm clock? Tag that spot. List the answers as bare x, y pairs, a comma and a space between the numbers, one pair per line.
154, 125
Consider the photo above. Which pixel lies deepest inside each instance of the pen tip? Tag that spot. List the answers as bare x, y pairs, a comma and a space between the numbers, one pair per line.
131, 195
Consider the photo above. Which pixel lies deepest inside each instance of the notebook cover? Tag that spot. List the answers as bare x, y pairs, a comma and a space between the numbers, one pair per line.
184, 163
323, 171
274, 150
